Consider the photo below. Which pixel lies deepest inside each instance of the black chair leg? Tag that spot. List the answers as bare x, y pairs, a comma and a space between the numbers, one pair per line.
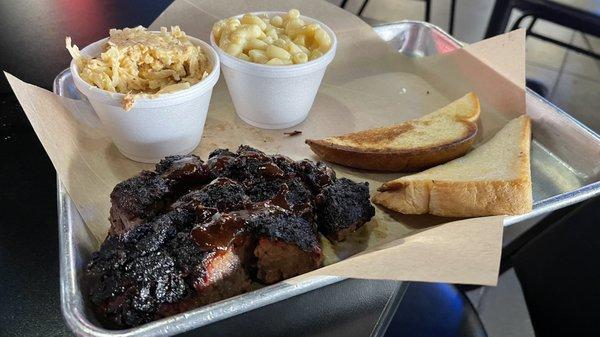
531, 26
362, 7
499, 18
452, 10
533, 84
531, 33
518, 22
427, 11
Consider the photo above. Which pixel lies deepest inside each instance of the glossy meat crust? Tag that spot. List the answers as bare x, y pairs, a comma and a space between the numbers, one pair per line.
193, 232
183, 169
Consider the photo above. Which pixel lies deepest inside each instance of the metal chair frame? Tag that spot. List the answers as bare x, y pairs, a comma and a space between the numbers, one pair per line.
530, 32
586, 22
427, 11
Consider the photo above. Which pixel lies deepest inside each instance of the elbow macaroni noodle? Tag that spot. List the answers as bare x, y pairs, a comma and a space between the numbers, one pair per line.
279, 40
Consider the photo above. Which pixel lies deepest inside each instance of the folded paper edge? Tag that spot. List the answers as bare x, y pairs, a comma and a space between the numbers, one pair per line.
488, 277
508, 43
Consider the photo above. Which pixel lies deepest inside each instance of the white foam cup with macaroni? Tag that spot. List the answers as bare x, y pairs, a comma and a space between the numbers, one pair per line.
274, 94
154, 127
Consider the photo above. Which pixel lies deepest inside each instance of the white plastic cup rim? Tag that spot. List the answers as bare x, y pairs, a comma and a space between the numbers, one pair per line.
93, 92
290, 70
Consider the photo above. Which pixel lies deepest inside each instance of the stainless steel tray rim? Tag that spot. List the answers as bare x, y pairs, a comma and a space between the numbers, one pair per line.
564, 114
556, 202
430, 26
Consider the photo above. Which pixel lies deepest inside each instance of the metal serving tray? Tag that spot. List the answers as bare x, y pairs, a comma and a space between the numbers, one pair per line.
565, 167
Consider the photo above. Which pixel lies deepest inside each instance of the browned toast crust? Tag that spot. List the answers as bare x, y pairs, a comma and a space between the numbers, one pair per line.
381, 158
394, 160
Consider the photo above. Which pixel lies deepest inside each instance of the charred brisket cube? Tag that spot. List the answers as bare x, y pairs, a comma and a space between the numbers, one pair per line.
260, 189
131, 296
299, 199
291, 195
214, 274
221, 163
288, 245
138, 199
253, 163
220, 152
285, 164
153, 235
153, 271
342, 208
315, 175
222, 193
245, 164
133, 274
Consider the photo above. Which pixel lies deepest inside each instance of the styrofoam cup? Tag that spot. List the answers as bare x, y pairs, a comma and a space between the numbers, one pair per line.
169, 124
274, 97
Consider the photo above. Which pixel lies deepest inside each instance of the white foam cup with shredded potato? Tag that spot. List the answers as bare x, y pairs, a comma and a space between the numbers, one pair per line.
148, 112
273, 82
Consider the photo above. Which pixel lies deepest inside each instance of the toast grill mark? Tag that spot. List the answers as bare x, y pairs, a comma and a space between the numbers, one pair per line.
376, 136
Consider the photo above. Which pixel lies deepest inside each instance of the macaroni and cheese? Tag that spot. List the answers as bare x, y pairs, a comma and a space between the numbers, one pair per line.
277, 40
137, 62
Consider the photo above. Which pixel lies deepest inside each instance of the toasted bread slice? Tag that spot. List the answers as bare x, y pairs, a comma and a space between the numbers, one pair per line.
492, 179
433, 139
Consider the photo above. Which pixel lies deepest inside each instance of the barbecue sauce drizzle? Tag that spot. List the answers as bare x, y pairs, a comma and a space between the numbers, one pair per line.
224, 229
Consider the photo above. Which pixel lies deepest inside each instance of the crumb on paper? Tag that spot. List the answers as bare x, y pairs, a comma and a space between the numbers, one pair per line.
293, 133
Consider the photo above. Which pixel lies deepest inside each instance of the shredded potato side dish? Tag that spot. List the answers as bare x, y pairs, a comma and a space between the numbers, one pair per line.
136, 62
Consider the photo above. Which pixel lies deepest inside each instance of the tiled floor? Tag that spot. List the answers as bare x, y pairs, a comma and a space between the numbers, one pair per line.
572, 79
